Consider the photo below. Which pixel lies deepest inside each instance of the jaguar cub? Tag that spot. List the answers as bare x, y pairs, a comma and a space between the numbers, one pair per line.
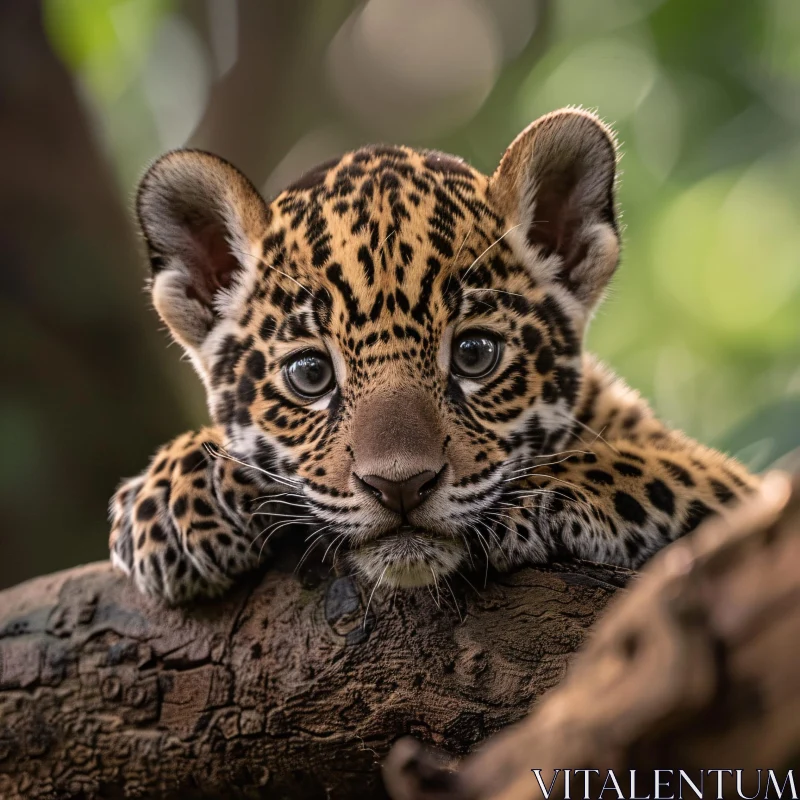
392, 354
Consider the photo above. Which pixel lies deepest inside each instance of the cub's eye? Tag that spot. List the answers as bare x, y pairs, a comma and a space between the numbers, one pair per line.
475, 354
309, 374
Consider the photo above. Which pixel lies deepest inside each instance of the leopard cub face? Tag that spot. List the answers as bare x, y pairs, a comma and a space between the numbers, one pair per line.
395, 334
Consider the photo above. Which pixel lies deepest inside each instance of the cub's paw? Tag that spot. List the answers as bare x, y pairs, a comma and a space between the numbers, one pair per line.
181, 529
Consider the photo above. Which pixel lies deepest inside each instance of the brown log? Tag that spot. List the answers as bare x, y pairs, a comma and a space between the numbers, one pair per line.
697, 667
279, 690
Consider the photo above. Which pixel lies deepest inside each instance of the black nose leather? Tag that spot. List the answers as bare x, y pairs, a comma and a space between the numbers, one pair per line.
402, 496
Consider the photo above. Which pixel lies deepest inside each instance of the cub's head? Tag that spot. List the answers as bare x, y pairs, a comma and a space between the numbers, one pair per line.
396, 334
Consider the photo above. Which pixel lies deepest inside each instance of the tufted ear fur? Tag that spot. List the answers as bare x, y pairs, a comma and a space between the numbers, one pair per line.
556, 181
203, 222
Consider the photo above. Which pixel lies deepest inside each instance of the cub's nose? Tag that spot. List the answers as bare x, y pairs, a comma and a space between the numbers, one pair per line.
402, 496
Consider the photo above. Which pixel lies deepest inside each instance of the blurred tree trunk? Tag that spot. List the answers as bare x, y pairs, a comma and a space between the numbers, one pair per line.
81, 357
274, 91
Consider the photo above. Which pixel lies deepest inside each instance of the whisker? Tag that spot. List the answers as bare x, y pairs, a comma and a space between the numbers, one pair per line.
282, 494
438, 600
386, 239
565, 453
319, 532
468, 549
318, 536
498, 291
496, 514
284, 503
333, 542
597, 435
553, 492
496, 241
217, 452
468, 581
261, 260
307, 553
369, 602
336, 550
275, 528
466, 236
568, 483
455, 600
289, 516
484, 546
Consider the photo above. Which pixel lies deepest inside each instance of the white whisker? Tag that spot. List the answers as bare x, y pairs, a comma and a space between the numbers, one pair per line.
498, 291
273, 267
369, 602
466, 236
496, 241
215, 451
455, 600
284, 503
333, 542
597, 435
287, 516
566, 453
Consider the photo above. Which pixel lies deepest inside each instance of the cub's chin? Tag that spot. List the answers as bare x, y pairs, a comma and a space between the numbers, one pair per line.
408, 558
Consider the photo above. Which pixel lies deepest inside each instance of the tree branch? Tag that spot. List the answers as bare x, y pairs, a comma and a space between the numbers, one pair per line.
280, 688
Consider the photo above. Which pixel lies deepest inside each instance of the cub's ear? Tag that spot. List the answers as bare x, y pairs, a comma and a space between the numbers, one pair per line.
203, 223
556, 181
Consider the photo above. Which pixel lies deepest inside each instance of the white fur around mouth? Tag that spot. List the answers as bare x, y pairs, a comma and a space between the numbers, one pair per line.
408, 557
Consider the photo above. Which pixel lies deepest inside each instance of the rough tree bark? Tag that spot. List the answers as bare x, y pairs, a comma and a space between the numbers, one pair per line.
695, 668
281, 690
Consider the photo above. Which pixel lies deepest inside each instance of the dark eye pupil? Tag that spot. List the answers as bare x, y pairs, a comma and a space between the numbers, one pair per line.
310, 369
310, 375
475, 355
471, 352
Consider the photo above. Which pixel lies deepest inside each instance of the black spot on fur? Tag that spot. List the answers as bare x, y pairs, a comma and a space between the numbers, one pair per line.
678, 472
146, 510
696, 513
267, 330
661, 496
545, 361
600, 476
193, 462
629, 508
721, 491
628, 470
179, 506
531, 338
157, 533
367, 264
202, 508
246, 391
256, 365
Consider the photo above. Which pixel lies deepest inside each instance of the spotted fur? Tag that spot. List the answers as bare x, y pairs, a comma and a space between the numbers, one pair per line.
380, 260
